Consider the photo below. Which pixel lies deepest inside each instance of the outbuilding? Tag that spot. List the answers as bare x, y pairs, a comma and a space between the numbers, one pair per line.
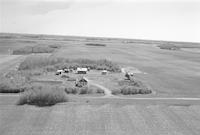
104, 72
128, 75
66, 70
58, 72
131, 74
81, 70
81, 82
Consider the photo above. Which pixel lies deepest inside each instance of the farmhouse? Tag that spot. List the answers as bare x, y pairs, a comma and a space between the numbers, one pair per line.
81, 70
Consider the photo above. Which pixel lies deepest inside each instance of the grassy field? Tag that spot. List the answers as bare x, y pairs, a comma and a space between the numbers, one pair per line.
9, 62
173, 108
99, 118
168, 72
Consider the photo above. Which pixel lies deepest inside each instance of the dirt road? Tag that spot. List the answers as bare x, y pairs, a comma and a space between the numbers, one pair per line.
107, 92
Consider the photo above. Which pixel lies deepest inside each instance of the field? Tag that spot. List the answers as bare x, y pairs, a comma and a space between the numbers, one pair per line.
100, 118
173, 75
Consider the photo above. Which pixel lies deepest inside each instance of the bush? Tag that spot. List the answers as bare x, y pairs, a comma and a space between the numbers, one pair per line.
50, 68
169, 47
96, 89
52, 63
43, 96
83, 90
11, 86
33, 62
100, 91
33, 49
65, 76
129, 87
145, 91
131, 82
129, 90
90, 90
54, 46
116, 91
95, 44
33, 72
7, 88
75, 90
71, 90
71, 79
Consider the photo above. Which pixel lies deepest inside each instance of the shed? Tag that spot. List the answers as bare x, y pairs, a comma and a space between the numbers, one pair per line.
66, 70
88, 68
104, 72
82, 70
131, 74
58, 72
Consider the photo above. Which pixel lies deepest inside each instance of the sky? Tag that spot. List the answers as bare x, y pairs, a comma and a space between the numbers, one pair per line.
174, 20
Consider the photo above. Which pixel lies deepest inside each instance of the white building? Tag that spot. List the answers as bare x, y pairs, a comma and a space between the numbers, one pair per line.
81, 70
104, 72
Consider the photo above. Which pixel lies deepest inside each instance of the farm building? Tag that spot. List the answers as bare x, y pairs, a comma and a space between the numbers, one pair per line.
104, 72
66, 70
129, 75
81, 82
88, 68
81, 70
58, 72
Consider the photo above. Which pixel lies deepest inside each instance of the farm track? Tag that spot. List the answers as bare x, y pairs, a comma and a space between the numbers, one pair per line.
151, 98
102, 119
107, 92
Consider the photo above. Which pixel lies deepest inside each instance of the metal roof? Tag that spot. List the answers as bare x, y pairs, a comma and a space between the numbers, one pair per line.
82, 69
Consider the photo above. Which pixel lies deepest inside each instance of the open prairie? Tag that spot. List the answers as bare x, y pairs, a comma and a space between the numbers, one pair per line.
173, 75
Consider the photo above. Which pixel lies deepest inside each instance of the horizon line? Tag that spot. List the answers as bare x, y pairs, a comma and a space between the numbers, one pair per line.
81, 36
